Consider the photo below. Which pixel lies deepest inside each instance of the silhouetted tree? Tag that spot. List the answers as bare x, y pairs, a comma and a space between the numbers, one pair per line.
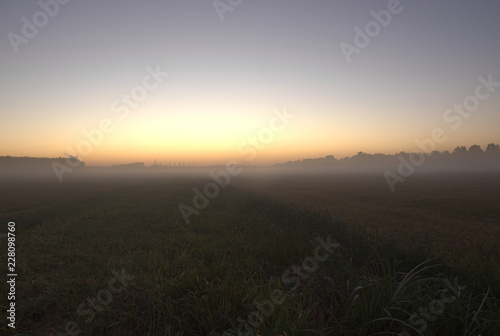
475, 149
435, 154
492, 148
460, 150
460, 153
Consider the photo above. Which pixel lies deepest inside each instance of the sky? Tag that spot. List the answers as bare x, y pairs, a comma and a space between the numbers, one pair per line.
223, 71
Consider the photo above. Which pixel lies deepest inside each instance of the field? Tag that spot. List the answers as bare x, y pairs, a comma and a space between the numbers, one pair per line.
454, 215
273, 255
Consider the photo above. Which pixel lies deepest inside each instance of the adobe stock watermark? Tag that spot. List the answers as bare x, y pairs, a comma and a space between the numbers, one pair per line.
372, 29
30, 28
419, 320
223, 6
96, 304
249, 147
294, 275
120, 106
454, 116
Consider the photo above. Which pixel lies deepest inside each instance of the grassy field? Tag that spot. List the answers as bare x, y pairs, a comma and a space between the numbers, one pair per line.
455, 215
298, 257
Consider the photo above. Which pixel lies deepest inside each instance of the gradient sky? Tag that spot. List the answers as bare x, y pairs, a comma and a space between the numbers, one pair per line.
226, 77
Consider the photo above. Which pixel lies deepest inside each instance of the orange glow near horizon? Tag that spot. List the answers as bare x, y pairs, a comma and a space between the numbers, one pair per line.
175, 91
211, 137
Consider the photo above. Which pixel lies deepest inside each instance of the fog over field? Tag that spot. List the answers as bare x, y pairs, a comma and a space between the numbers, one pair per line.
250, 168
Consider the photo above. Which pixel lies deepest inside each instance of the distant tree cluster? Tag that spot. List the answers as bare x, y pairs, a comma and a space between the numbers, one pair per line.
460, 154
32, 162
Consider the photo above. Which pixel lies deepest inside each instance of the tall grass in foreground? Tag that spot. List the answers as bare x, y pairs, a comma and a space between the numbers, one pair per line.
372, 286
209, 277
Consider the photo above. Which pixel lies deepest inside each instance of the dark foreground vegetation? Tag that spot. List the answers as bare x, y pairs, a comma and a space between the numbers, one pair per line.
118, 259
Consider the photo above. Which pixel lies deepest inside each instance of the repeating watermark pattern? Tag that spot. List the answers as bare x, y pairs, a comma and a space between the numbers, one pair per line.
31, 28
120, 106
294, 275
419, 320
96, 304
454, 117
221, 179
224, 6
372, 29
